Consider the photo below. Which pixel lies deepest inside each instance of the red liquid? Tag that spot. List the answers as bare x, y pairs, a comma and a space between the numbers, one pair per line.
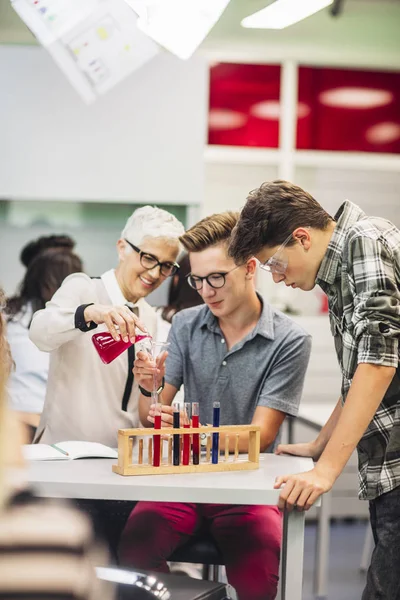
157, 442
196, 441
108, 348
186, 447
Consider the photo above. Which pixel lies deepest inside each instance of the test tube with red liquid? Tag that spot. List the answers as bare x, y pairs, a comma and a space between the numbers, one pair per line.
196, 436
186, 437
157, 438
177, 437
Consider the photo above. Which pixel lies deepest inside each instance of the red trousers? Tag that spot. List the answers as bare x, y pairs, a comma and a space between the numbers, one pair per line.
249, 538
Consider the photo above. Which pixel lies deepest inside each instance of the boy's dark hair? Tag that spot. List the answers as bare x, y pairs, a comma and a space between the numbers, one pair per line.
210, 231
272, 212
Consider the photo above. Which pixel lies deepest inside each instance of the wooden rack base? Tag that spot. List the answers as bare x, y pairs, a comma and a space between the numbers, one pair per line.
228, 461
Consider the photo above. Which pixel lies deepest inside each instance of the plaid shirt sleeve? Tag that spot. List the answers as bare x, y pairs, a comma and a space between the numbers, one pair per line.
376, 298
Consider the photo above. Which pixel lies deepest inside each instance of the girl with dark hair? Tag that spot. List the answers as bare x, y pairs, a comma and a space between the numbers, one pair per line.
181, 295
33, 248
46, 271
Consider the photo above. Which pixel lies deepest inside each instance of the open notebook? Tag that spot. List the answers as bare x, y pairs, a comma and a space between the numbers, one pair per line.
67, 451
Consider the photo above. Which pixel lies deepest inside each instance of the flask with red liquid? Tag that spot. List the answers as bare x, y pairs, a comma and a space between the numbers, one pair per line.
108, 349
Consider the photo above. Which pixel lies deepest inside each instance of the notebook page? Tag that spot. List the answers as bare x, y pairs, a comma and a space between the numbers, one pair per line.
78, 449
42, 452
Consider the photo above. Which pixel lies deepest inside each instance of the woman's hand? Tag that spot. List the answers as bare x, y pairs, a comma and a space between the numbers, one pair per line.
119, 320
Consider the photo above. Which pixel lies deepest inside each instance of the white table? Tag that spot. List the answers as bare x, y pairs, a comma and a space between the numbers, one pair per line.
93, 478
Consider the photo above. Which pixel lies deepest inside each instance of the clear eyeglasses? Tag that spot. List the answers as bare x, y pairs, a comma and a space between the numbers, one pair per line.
278, 262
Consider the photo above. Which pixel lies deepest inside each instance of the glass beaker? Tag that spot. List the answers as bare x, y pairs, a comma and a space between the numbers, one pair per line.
108, 349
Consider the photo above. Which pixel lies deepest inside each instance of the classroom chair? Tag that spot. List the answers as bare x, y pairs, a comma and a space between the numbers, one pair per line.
201, 549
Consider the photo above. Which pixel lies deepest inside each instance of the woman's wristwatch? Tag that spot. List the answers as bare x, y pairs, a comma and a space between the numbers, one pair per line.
203, 439
148, 394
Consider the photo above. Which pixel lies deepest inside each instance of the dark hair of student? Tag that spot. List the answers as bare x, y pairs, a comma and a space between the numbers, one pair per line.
272, 212
181, 295
33, 248
43, 277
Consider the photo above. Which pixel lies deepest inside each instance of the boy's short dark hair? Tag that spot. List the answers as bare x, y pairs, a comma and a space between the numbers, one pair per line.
272, 212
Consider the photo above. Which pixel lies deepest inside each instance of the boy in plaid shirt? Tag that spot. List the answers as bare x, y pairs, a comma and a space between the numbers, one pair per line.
355, 259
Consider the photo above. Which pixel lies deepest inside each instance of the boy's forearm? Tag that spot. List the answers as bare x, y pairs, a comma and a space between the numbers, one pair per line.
368, 388
326, 432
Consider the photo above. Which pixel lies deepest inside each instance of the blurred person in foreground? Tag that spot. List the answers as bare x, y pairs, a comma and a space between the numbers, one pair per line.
87, 400
47, 549
47, 267
240, 351
355, 259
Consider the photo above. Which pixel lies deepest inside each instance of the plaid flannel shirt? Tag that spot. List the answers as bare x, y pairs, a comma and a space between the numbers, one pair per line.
360, 274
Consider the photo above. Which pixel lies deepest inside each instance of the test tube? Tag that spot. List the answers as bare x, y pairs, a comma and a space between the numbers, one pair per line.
237, 447
208, 447
170, 449
177, 440
156, 348
215, 441
140, 460
186, 437
157, 438
196, 436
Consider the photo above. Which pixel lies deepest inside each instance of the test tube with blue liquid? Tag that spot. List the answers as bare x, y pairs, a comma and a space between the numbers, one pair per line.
215, 435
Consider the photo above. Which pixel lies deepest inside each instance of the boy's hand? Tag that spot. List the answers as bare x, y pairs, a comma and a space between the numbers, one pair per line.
309, 449
167, 419
144, 368
303, 489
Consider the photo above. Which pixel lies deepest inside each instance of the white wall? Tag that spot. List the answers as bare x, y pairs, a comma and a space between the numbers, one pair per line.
143, 141
227, 185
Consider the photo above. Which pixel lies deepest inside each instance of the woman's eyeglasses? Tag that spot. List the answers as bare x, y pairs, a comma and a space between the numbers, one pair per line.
149, 261
214, 280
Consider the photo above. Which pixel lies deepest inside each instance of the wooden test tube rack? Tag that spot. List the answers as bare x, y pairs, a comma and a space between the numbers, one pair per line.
233, 462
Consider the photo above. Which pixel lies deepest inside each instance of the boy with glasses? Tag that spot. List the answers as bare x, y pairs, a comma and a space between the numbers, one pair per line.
85, 399
252, 359
355, 259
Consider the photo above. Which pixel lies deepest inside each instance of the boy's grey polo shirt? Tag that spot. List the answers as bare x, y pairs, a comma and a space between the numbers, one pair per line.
266, 368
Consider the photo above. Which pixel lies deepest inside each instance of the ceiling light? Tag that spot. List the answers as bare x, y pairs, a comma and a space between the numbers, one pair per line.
221, 118
271, 109
178, 25
355, 97
383, 133
283, 13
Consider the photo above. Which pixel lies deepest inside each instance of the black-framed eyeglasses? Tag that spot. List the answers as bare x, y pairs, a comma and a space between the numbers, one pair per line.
149, 261
214, 280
